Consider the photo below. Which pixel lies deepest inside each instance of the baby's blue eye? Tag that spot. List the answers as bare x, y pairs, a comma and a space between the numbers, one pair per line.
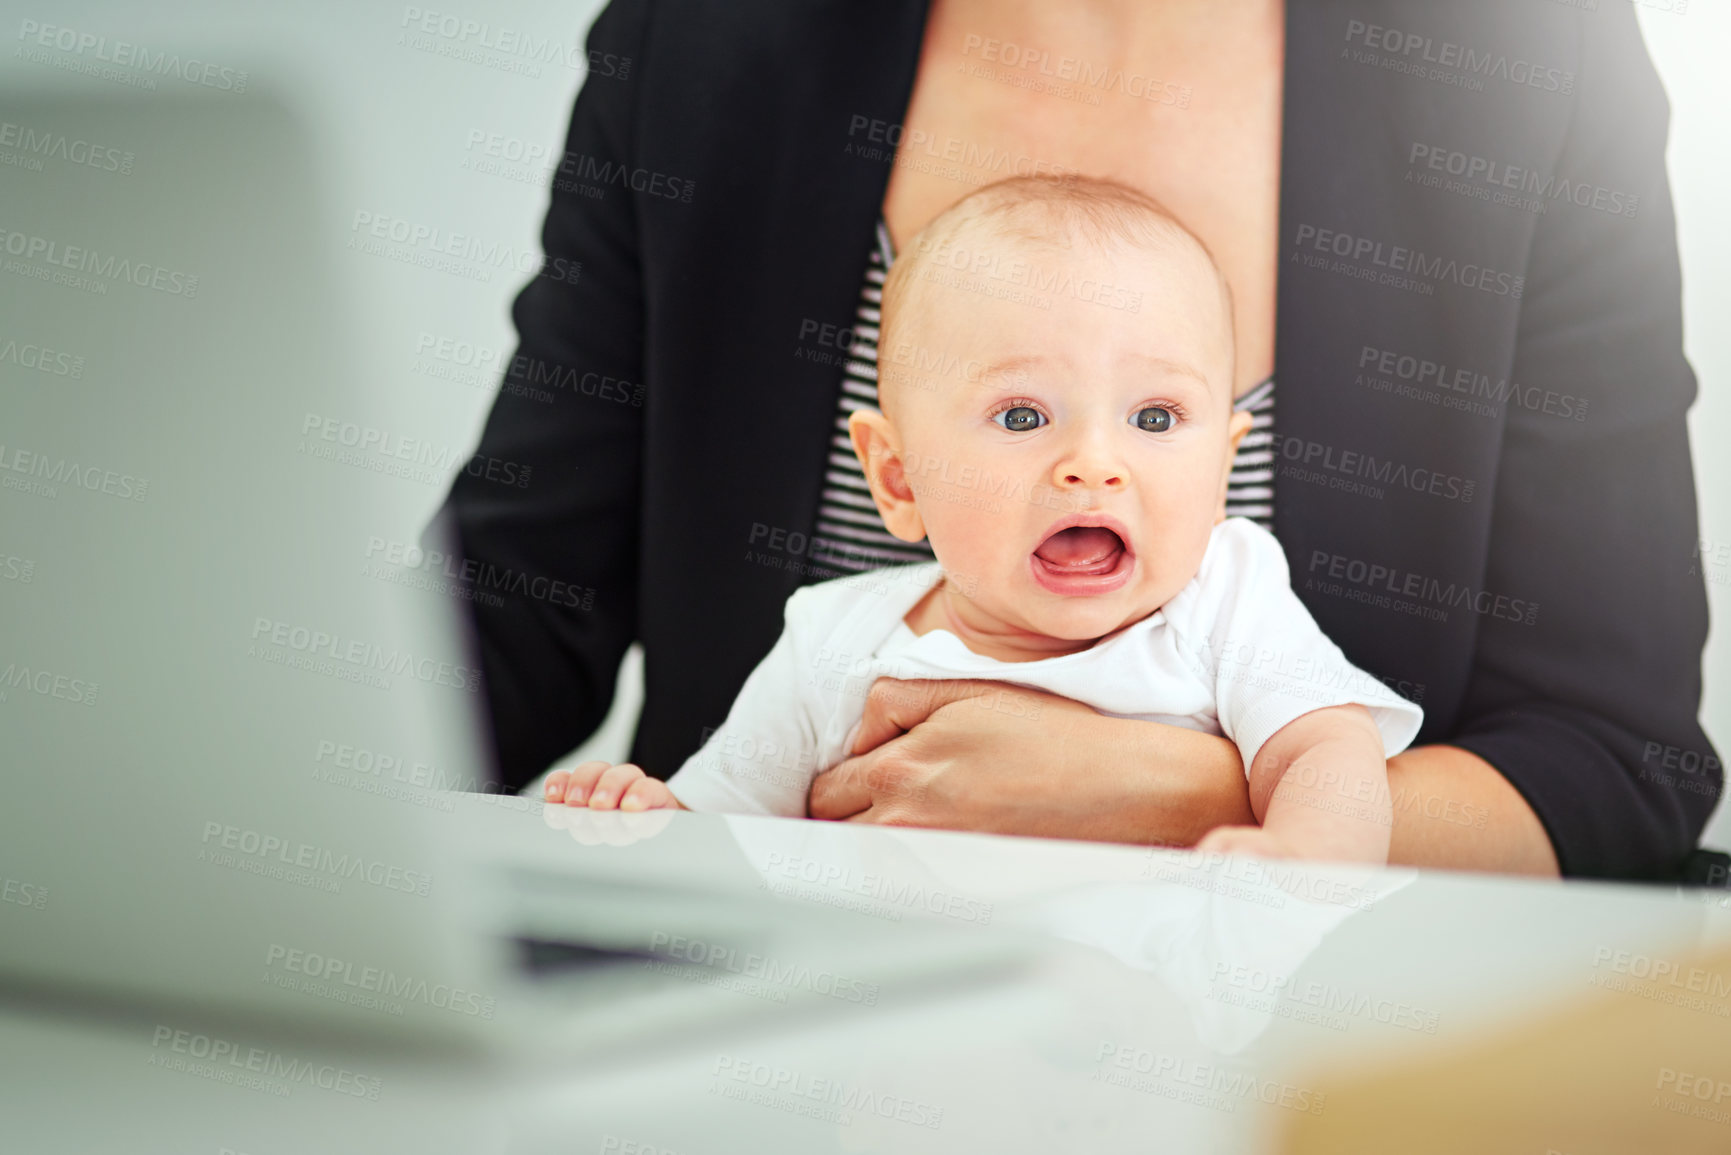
1021, 418
1154, 419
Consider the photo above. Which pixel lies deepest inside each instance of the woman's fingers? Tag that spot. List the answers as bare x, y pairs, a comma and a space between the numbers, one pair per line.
841, 792
893, 706
868, 781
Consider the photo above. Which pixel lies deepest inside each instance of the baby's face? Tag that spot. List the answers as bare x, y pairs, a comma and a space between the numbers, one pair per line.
1016, 422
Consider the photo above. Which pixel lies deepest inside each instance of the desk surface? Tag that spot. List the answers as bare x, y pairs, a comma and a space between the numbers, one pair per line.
1170, 1004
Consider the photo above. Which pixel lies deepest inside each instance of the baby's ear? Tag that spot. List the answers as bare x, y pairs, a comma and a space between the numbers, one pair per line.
1242, 419
879, 452
1236, 428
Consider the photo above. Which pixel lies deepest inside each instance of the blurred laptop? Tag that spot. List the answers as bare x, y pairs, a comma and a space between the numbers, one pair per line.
229, 726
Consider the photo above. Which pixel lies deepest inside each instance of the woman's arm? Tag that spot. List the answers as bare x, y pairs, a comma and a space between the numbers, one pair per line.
1595, 518
547, 511
1454, 811
963, 754
971, 755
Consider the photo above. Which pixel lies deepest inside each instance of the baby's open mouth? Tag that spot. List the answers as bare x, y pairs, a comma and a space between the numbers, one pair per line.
1082, 550
1084, 560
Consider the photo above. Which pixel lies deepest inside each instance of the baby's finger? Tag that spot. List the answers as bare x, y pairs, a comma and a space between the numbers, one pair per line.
578, 782
612, 784
647, 794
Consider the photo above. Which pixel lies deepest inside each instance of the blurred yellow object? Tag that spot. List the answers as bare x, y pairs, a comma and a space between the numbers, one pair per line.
1615, 1073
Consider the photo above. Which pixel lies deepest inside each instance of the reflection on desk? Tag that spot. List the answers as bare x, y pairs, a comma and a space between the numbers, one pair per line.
1174, 1003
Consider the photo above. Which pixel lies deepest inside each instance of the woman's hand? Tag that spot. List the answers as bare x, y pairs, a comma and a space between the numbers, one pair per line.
966, 754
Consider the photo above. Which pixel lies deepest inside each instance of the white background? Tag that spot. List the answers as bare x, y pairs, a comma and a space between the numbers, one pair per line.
390, 127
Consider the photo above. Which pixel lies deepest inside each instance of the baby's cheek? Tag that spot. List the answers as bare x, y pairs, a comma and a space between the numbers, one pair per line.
975, 541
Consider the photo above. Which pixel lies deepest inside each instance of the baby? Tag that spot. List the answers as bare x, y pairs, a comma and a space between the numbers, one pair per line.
1065, 444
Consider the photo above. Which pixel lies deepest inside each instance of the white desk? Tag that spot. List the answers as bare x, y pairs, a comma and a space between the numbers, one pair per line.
1144, 1023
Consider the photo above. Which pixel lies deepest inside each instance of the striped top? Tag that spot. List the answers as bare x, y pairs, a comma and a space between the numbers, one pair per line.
850, 535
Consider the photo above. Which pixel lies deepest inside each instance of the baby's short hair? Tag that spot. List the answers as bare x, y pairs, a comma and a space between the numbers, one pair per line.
1050, 210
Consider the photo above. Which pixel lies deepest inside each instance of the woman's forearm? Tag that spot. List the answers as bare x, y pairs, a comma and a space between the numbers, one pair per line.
1167, 785
1453, 811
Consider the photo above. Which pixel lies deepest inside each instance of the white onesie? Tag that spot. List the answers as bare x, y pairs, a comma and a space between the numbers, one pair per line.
1234, 653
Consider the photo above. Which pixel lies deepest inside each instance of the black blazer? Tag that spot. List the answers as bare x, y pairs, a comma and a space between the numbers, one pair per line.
1474, 212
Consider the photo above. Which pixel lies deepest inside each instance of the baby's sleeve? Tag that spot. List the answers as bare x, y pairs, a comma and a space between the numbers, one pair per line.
1268, 659
762, 758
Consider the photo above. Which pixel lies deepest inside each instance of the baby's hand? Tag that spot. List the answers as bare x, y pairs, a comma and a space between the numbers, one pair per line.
601, 786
